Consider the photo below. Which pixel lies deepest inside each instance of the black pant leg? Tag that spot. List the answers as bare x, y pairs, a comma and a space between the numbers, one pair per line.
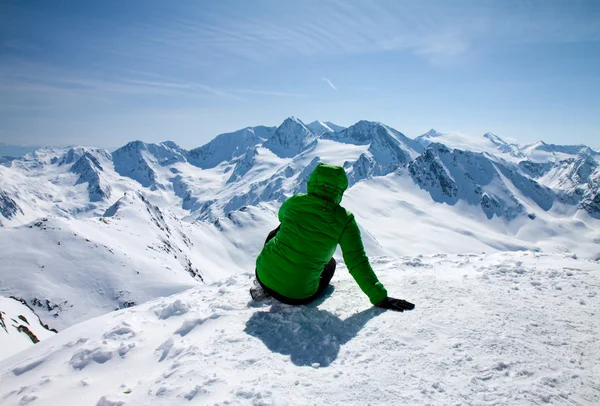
272, 234
328, 272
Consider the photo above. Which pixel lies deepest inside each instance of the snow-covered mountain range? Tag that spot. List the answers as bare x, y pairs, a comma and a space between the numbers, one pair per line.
262, 164
85, 231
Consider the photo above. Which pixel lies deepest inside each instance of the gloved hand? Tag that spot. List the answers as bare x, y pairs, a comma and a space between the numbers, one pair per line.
397, 305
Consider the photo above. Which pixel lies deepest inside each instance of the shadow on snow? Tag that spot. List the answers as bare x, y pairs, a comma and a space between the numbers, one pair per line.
305, 333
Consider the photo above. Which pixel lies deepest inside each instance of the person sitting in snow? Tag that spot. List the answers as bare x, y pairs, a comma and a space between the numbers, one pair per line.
296, 263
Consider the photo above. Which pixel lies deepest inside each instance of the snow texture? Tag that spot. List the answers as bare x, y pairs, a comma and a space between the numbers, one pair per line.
507, 328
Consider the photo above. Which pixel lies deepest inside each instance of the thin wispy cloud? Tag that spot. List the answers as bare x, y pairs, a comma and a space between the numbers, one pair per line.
269, 93
331, 85
430, 30
37, 86
160, 84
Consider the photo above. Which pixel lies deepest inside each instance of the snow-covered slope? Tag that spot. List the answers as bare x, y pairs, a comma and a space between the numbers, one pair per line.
140, 161
453, 175
228, 146
20, 327
90, 171
489, 143
509, 328
77, 269
404, 220
61, 182
8, 207
575, 180
542, 152
493, 144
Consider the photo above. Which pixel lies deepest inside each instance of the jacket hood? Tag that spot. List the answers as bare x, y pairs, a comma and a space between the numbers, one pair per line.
328, 182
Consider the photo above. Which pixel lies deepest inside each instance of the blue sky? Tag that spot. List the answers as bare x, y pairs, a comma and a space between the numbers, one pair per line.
104, 73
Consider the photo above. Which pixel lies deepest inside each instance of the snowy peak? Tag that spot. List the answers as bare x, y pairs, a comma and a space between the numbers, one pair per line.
290, 138
89, 170
361, 133
543, 152
388, 149
164, 153
432, 133
130, 161
494, 138
366, 132
429, 173
388, 146
319, 128
70, 156
503, 146
139, 161
86, 161
74, 153
488, 143
227, 146
428, 137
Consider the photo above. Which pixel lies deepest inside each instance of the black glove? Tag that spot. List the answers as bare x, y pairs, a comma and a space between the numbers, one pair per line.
397, 305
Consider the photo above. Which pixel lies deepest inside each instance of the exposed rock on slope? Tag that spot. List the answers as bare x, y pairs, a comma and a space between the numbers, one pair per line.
8, 207
453, 175
20, 327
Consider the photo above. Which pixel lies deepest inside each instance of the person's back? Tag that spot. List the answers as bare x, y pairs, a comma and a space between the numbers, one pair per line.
293, 260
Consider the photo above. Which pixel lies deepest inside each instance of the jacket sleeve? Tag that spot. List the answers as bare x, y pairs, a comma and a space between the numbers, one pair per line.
358, 264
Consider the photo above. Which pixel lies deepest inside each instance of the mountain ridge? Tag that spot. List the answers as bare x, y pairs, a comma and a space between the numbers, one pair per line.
380, 150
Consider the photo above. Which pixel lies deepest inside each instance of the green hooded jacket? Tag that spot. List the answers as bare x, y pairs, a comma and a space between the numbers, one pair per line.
312, 225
